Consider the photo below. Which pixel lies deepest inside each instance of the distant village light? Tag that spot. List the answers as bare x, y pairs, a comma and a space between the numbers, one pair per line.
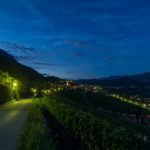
68, 83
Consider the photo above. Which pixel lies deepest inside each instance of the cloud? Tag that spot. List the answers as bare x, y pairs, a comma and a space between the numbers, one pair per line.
31, 8
24, 58
69, 72
16, 47
81, 44
77, 54
44, 37
46, 74
44, 64
109, 59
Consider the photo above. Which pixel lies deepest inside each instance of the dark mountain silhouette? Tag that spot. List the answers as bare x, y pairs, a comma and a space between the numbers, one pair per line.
138, 81
4, 55
9, 64
145, 77
27, 77
53, 79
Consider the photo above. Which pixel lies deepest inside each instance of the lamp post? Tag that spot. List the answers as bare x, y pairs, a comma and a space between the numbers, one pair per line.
14, 88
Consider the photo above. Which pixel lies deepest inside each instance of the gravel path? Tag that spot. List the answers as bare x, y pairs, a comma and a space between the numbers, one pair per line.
12, 118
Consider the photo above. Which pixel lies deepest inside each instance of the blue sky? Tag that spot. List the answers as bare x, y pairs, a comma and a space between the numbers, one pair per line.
78, 38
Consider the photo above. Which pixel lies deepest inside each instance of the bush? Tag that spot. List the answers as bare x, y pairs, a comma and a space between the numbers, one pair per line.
93, 133
4, 94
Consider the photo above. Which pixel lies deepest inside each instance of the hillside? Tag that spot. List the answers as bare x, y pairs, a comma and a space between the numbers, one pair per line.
53, 79
27, 77
9, 64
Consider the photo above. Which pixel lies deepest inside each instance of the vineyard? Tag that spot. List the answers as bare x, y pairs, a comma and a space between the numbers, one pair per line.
68, 117
115, 104
94, 132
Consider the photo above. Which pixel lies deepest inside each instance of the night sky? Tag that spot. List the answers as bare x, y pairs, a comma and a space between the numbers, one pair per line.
78, 38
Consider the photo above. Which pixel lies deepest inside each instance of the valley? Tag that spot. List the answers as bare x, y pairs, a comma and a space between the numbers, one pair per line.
64, 114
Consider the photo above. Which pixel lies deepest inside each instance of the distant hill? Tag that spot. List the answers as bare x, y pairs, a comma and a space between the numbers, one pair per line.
145, 77
140, 81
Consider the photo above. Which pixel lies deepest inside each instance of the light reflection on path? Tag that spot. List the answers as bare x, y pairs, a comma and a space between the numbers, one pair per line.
12, 118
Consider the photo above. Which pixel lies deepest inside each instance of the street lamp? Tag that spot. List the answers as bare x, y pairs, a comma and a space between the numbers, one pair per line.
14, 84
15, 90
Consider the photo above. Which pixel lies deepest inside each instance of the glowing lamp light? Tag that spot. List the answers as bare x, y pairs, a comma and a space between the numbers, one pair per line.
34, 90
14, 84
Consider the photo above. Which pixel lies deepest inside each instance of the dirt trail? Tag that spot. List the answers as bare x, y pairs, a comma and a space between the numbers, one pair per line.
12, 118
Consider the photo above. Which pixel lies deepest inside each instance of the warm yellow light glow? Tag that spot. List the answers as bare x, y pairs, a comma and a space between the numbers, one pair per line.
14, 84
34, 90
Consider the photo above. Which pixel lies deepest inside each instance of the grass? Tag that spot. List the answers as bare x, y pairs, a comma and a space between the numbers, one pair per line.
35, 136
11, 101
8, 102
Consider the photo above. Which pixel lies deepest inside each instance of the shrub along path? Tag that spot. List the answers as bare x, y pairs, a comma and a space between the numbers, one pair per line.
12, 117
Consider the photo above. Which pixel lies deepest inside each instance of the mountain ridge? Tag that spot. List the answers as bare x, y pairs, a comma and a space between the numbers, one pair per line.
28, 77
145, 77
139, 80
